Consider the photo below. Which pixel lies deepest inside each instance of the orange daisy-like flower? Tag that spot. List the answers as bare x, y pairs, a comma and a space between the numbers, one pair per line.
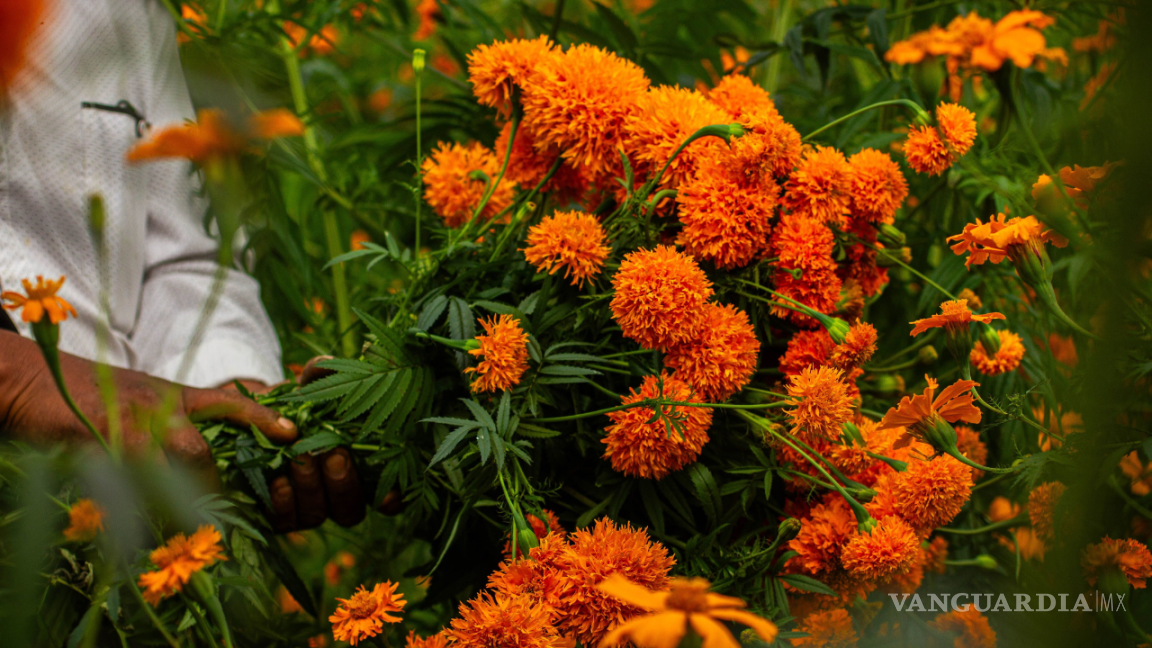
888, 549
827, 629
926, 152
1042, 508
365, 614
937, 551
820, 188
805, 269
579, 102
178, 560
496, 70
1001, 238
212, 137
586, 613
505, 352
1006, 359
920, 414
501, 620
1016, 36
820, 402
957, 126
571, 240
954, 318
39, 299
806, 349
451, 189
726, 219
85, 520
664, 118
857, 348
970, 445
738, 96
686, 603
930, 494
528, 165
639, 446
720, 361
822, 537
1129, 556
1138, 472
971, 628
428, 11
438, 640
1079, 183
876, 186
535, 577
19, 21
769, 146
660, 297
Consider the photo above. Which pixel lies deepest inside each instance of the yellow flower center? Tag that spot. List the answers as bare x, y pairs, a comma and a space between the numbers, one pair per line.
362, 605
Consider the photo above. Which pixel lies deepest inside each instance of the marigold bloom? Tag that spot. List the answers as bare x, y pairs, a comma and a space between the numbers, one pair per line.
937, 551
687, 602
438, 640
827, 629
770, 146
1002, 237
857, 348
1006, 359
571, 240
501, 620
1127, 555
505, 352
365, 614
970, 445
820, 188
807, 349
804, 246
1140, 474
586, 613
535, 576
274, 124
451, 189
822, 536
721, 360
919, 415
888, 549
498, 69
957, 125
85, 520
540, 528
194, 19
930, 494
579, 102
1042, 508
177, 560
428, 11
1016, 36
664, 118
926, 151
640, 447
738, 96
660, 297
212, 136
954, 318
322, 42
820, 402
39, 299
970, 626
876, 186
528, 165
726, 219
1079, 183
19, 20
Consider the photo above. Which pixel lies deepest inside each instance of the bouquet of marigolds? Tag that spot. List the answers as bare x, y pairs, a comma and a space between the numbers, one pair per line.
645, 323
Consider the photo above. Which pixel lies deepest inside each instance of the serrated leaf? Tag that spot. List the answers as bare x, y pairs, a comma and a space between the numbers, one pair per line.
807, 584
767, 484
535, 431
317, 442
449, 444
480, 413
498, 450
516, 450
528, 304
652, 506
385, 406
484, 444
432, 312
568, 370
344, 365
706, 490
411, 396
503, 412
326, 389
365, 396
450, 420
572, 357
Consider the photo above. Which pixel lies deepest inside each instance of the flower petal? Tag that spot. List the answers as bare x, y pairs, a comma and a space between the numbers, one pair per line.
621, 588
714, 634
660, 630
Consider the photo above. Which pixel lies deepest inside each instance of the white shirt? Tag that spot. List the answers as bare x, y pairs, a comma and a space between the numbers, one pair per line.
54, 154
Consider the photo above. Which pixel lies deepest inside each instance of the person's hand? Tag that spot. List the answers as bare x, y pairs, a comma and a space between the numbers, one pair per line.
32, 409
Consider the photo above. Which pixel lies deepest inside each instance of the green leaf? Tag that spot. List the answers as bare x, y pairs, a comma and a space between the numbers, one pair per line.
343, 365
588, 516
365, 396
767, 485
284, 571
503, 413
318, 443
877, 22
652, 506
326, 389
449, 444
807, 584
408, 404
385, 407
535, 431
620, 30
432, 312
567, 370
572, 357
706, 490
480, 413
449, 420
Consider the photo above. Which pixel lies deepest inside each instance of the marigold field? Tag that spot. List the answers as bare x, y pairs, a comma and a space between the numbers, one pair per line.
649, 323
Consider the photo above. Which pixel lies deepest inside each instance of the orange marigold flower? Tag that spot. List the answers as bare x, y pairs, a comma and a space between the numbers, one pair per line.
857, 348
1079, 183
496, 70
686, 603
288, 603
957, 125
1042, 508
529, 165
1006, 359
805, 269
769, 146
926, 151
1016, 36
19, 21
937, 554
890, 548
502, 620
1002, 237
540, 528
820, 402
721, 360
954, 318
820, 188
726, 219
660, 297
970, 626
807, 349
579, 102
451, 189
322, 43
1140, 474
1128, 556
641, 447
39, 299
85, 520
930, 494
664, 118
505, 352
177, 560
438, 640
876, 186
738, 96
827, 629
536, 576
970, 445
971, 297
428, 11
571, 240
822, 536
212, 136
274, 124
586, 613
919, 414
365, 614
194, 19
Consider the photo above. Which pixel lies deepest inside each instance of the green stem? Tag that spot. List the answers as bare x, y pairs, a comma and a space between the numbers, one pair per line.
557, 20
47, 336
920, 113
660, 195
419, 154
956, 454
1019, 520
172, 641
1131, 502
901, 263
780, 28
655, 402
755, 390
1133, 626
989, 482
515, 125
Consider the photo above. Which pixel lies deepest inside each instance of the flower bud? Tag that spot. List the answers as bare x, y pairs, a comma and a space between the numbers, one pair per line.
938, 433
837, 329
984, 561
788, 529
928, 355
889, 385
989, 338
852, 434
891, 235
418, 61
